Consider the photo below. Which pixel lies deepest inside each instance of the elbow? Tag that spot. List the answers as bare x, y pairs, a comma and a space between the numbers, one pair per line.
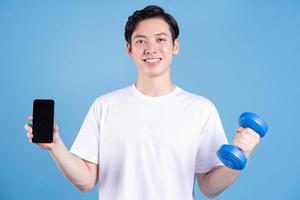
210, 194
85, 188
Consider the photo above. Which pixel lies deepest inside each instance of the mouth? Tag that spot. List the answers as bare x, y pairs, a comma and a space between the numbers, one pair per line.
152, 60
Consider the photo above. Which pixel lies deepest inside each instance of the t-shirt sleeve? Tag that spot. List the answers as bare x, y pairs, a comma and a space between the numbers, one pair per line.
86, 144
213, 137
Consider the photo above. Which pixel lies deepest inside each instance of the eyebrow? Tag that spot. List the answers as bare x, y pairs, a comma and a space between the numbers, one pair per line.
137, 36
143, 36
162, 33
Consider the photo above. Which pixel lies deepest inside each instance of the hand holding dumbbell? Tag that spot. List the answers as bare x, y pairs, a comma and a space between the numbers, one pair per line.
232, 156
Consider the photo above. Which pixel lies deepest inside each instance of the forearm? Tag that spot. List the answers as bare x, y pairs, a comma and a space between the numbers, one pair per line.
217, 180
74, 168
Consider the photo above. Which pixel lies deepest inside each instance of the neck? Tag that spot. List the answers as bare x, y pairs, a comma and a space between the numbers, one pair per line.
155, 86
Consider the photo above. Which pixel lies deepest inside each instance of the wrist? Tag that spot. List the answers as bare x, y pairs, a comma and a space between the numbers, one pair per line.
55, 145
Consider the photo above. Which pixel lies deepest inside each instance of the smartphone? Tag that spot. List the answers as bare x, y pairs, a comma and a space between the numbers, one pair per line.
43, 119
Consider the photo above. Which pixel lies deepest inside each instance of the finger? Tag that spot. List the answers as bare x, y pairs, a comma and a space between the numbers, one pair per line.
247, 136
28, 127
239, 129
248, 141
243, 147
238, 135
30, 117
55, 128
245, 139
29, 135
236, 139
251, 133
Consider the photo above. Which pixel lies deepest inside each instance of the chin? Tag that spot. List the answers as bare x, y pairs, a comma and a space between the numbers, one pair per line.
156, 73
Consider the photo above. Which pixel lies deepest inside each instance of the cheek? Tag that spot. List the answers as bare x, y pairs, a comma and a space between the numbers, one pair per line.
136, 54
167, 49
168, 52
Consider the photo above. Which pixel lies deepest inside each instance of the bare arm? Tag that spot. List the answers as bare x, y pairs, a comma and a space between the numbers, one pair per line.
218, 179
81, 173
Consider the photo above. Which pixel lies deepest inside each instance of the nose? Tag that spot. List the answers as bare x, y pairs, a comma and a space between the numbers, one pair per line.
151, 48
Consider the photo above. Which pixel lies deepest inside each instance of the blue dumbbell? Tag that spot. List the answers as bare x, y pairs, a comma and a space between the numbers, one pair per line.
232, 156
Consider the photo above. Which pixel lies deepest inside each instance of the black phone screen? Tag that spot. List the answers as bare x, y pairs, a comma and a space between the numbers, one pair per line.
42, 122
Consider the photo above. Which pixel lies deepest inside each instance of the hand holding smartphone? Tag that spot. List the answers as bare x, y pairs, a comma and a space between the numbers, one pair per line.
43, 119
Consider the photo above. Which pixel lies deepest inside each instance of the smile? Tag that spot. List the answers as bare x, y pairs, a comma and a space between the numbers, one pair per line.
152, 60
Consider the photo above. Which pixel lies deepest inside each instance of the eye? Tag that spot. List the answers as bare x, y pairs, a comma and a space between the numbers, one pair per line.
140, 42
161, 39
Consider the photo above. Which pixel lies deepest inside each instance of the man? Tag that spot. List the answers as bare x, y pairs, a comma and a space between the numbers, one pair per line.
148, 141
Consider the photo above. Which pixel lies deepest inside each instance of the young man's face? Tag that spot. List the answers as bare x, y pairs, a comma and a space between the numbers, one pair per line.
152, 48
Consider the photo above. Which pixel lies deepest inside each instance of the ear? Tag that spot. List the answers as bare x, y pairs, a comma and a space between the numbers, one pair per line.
176, 47
128, 47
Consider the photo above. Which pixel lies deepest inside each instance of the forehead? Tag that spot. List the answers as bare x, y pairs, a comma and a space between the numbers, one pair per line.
152, 26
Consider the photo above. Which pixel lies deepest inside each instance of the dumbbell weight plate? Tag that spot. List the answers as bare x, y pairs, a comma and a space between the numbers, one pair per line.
254, 122
232, 157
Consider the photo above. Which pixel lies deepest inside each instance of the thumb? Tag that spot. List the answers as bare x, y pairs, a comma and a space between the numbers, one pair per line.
55, 128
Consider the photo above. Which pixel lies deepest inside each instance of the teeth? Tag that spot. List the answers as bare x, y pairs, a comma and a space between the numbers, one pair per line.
152, 60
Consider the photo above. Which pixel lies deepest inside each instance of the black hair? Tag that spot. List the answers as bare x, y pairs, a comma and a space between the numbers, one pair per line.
148, 13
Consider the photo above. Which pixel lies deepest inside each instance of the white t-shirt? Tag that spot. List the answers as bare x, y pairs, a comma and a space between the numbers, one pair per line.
149, 148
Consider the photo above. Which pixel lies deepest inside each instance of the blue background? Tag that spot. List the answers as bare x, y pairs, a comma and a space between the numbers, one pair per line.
243, 55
